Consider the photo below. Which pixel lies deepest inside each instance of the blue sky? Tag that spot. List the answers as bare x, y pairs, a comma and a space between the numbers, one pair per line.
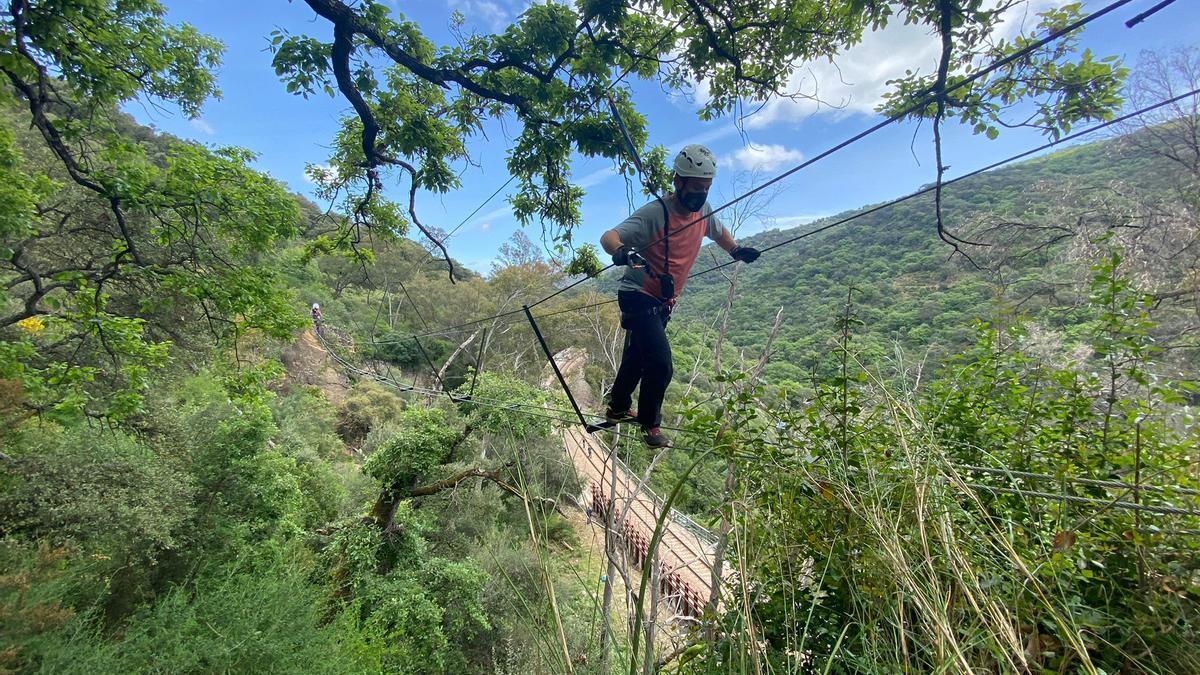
288, 132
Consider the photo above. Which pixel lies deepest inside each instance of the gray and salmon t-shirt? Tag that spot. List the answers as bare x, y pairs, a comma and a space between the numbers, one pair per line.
644, 230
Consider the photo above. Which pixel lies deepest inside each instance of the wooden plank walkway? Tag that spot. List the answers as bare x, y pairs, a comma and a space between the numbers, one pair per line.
685, 554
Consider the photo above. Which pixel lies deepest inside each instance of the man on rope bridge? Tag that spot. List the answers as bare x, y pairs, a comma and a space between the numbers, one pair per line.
316, 317
659, 243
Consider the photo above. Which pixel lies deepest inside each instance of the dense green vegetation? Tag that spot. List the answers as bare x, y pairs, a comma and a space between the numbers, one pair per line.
934, 465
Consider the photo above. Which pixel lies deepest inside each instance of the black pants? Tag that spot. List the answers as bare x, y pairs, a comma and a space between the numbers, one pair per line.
647, 357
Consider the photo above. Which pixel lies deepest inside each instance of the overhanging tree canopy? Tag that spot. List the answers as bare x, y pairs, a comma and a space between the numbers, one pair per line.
417, 103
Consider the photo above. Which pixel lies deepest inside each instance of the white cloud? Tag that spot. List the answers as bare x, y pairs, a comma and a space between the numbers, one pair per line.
486, 227
596, 177
491, 15
202, 126
856, 80
765, 157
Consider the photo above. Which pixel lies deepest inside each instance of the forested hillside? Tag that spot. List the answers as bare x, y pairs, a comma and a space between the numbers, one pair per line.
894, 459
908, 290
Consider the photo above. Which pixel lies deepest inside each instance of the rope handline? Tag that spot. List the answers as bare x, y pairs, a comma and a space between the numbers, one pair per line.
847, 219
1165, 509
404, 386
1089, 501
976, 172
1148, 13
924, 101
462, 326
1110, 484
1050, 37
478, 208
469, 398
666, 283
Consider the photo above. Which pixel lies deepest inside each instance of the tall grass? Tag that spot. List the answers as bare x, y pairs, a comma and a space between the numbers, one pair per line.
860, 547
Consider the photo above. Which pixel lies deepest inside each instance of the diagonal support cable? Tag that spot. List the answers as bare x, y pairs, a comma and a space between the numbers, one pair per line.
433, 369
588, 426
478, 362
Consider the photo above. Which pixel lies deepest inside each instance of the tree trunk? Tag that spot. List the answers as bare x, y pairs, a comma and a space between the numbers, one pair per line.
441, 374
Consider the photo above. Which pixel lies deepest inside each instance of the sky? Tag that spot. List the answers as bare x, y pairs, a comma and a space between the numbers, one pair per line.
289, 132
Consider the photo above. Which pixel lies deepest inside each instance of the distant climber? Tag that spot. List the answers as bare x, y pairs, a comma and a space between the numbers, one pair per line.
659, 244
316, 317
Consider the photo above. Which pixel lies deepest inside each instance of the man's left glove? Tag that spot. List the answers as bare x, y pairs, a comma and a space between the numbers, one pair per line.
628, 255
745, 253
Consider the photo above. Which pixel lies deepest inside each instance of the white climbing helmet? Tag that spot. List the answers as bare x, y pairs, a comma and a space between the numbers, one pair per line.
696, 161
316, 306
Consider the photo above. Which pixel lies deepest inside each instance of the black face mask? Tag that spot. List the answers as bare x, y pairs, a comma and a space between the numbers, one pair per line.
694, 201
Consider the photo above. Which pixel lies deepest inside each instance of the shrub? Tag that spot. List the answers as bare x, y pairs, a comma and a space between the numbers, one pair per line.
268, 620
368, 406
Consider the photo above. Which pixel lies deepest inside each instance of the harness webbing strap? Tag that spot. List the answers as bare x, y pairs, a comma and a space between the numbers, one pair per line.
666, 283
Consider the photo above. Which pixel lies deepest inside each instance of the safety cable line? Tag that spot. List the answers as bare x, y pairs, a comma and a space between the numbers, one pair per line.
576, 309
1165, 509
404, 386
976, 172
554, 365
1077, 480
928, 98
459, 328
588, 108
1089, 501
1111, 484
480, 207
470, 398
516, 407
478, 361
1000, 63
1148, 13
856, 215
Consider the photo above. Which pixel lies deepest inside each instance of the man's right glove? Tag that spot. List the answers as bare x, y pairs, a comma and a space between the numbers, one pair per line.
628, 255
745, 254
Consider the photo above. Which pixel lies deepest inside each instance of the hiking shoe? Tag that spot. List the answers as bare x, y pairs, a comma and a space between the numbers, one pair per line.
654, 437
618, 417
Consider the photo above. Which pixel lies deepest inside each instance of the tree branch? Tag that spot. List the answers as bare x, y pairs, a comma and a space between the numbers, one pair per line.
945, 27
383, 514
